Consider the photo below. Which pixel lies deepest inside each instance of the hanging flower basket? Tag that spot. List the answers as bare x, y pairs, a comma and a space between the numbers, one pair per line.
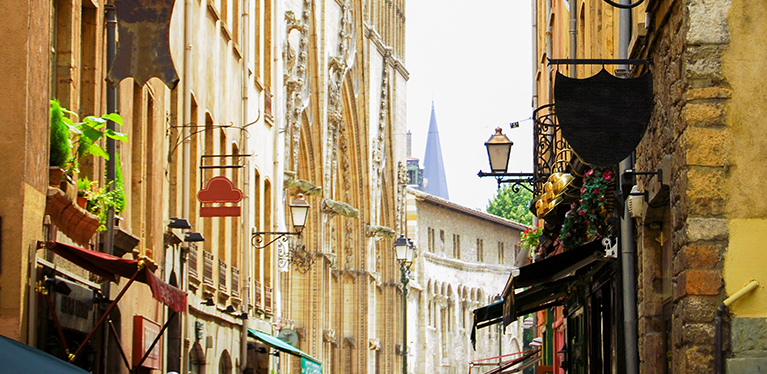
587, 219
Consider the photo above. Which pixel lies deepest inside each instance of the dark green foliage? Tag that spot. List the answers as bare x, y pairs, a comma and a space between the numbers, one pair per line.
119, 191
511, 205
59, 152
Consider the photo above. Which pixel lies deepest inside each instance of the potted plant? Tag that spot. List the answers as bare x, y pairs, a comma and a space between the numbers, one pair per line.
530, 238
60, 144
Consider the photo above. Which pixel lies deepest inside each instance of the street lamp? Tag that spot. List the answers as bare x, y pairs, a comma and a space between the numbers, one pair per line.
299, 211
498, 153
405, 251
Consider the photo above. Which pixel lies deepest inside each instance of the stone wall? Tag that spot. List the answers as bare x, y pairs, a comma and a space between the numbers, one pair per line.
686, 139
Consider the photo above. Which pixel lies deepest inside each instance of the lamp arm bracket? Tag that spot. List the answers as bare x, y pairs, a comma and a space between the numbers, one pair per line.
257, 238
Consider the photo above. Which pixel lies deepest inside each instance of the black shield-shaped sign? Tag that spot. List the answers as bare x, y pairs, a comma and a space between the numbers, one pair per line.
603, 117
144, 47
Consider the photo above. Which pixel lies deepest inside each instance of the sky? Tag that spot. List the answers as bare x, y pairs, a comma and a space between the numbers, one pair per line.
474, 61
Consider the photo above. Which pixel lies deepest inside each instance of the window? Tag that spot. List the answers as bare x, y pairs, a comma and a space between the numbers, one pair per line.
500, 253
430, 239
480, 250
441, 241
456, 246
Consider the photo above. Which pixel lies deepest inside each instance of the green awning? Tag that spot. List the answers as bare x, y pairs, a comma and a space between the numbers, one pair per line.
281, 345
19, 358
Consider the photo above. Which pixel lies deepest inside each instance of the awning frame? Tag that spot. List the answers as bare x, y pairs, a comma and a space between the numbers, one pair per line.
160, 291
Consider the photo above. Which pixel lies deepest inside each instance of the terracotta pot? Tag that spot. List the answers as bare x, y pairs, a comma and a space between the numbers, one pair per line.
55, 174
82, 201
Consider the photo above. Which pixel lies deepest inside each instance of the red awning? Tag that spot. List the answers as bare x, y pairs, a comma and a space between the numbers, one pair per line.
112, 267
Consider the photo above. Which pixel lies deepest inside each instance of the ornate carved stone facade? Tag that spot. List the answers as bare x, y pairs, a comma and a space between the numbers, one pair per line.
341, 133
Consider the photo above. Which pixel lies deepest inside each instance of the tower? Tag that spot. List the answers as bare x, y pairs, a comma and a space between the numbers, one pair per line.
435, 182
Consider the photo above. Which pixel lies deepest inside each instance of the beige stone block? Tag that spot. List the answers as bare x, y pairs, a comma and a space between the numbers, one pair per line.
706, 93
705, 191
699, 228
705, 146
707, 22
703, 114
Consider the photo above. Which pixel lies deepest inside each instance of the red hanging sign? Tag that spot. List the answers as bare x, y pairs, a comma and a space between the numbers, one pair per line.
222, 191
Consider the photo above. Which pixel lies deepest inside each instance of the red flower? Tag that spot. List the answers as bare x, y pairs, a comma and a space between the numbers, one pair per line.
608, 175
581, 212
590, 172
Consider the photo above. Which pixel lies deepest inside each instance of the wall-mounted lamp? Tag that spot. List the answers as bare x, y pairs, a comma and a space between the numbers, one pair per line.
193, 237
299, 211
179, 223
229, 309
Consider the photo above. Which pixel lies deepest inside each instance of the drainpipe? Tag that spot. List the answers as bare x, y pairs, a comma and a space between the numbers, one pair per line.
720, 311
185, 169
245, 224
573, 36
628, 246
111, 92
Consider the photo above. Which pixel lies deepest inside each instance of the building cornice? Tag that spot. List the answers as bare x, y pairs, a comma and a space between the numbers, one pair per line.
425, 197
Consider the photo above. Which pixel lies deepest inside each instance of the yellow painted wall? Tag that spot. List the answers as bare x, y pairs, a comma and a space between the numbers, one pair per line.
744, 262
743, 64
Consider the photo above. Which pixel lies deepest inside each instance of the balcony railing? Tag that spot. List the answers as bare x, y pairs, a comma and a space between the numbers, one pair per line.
267, 299
191, 263
207, 268
235, 282
257, 295
221, 275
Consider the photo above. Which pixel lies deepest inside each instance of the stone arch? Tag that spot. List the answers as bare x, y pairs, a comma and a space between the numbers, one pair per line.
196, 359
225, 363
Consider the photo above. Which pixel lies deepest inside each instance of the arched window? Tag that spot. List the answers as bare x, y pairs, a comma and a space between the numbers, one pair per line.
197, 359
225, 363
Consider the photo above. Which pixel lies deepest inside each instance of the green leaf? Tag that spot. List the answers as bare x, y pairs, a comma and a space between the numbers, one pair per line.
91, 133
67, 111
74, 129
114, 117
117, 135
95, 122
97, 151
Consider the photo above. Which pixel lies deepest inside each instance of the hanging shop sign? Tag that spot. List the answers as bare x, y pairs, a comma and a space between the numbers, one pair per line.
145, 331
310, 367
75, 309
219, 190
143, 50
603, 117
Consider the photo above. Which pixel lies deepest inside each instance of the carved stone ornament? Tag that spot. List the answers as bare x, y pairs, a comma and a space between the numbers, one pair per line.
332, 208
379, 232
374, 344
329, 335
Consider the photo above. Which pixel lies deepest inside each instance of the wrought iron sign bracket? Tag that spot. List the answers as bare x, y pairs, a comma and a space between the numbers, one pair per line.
597, 61
256, 238
516, 180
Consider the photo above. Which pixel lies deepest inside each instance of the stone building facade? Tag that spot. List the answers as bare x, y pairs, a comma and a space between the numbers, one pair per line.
706, 135
344, 111
699, 225
464, 259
